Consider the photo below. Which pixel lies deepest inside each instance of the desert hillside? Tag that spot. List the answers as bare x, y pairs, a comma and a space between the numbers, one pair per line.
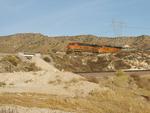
33, 42
49, 90
46, 83
86, 62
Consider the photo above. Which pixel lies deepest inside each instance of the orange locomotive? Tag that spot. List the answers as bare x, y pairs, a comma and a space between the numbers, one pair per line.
82, 47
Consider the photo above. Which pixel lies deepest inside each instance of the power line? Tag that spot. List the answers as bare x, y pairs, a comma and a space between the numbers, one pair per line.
119, 27
136, 27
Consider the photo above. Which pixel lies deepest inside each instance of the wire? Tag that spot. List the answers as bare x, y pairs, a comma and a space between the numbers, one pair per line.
135, 27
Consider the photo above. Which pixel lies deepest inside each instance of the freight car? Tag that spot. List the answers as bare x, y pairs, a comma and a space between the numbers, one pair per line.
83, 47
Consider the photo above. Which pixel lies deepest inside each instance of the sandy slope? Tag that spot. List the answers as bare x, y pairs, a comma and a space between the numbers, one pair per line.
47, 81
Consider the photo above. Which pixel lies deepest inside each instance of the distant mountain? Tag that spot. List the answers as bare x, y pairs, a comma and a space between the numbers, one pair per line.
35, 42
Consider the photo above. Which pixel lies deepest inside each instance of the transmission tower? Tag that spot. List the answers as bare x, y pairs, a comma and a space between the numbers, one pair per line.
118, 27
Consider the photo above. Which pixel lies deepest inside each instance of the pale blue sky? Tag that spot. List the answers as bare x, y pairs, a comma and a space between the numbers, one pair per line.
75, 17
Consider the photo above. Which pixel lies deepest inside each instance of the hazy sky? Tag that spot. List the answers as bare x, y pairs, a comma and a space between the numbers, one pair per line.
74, 17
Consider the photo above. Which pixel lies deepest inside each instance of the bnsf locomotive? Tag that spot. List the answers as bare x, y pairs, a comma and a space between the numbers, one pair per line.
82, 47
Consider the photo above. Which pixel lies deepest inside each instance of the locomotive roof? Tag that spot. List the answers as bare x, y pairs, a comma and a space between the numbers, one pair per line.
93, 45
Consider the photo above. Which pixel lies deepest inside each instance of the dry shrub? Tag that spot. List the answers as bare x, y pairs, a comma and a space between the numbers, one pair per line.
14, 60
31, 67
122, 80
12, 63
142, 82
94, 93
47, 59
2, 84
28, 81
92, 79
57, 81
74, 80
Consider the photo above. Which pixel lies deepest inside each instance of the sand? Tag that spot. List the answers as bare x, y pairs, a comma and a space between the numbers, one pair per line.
48, 81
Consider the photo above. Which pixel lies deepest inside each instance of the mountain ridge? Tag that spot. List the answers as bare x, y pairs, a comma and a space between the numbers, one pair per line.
36, 42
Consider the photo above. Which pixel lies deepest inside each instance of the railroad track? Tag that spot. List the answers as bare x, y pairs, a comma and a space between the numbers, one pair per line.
111, 73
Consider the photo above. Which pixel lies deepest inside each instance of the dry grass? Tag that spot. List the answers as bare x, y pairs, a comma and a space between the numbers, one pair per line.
9, 110
119, 97
142, 82
112, 101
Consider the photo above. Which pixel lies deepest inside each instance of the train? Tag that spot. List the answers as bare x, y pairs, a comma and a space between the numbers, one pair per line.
93, 48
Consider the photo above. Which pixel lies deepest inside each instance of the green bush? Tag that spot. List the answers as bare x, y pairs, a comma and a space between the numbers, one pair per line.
120, 73
121, 79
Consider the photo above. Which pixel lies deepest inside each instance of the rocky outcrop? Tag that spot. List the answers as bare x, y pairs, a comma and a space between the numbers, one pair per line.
88, 62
